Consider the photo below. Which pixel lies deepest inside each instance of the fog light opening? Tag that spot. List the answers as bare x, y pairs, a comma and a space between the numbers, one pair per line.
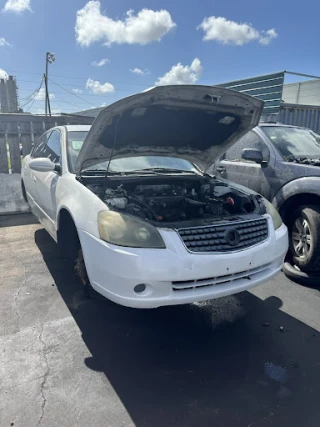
140, 288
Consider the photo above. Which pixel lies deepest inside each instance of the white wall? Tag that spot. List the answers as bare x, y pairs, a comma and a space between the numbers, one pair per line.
303, 93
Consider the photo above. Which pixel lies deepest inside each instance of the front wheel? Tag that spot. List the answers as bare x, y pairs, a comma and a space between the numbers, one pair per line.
304, 229
80, 268
81, 273
294, 273
24, 193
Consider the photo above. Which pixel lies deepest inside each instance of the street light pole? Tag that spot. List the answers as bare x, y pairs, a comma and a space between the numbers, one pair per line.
49, 59
46, 86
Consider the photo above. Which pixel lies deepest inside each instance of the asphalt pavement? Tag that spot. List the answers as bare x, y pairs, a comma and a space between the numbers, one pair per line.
252, 359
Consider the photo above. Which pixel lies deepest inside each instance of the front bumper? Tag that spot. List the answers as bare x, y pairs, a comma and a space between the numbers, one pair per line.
175, 276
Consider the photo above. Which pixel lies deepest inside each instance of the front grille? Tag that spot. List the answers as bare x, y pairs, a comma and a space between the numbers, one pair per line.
217, 238
219, 280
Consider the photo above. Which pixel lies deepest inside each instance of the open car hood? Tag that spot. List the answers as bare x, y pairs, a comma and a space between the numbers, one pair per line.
192, 122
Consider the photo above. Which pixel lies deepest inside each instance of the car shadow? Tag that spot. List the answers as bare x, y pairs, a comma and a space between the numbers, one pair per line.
14, 220
236, 361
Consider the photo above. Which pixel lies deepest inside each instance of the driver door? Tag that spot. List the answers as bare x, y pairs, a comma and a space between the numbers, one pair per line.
46, 183
30, 176
247, 173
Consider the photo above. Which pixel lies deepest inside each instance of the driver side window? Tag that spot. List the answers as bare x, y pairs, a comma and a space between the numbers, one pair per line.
250, 140
53, 148
40, 146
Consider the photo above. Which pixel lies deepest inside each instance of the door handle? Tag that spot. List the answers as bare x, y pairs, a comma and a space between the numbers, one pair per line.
34, 178
221, 169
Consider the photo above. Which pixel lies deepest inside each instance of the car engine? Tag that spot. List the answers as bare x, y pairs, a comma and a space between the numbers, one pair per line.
179, 200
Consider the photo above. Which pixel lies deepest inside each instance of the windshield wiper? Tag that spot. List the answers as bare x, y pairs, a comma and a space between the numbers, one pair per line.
93, 171
166, 170
156, 171
305, 160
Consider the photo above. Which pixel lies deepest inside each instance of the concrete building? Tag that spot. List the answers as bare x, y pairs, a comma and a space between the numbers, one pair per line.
8, 95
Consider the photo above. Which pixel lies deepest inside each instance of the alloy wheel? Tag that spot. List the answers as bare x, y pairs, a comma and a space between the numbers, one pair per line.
301, 237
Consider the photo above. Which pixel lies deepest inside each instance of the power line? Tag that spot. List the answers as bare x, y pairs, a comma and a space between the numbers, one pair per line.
81, 87
115, 82
72, 93
33, 95
34, 98
76, 86
67, 102
25, 101
82, 78
61, 93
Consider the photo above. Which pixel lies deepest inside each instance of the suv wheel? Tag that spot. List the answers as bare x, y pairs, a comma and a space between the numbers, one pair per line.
304, 229
294, 273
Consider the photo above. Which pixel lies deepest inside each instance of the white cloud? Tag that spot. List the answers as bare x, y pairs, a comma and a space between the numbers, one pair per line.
144, 27
139, 71
181, 75
267, 36
3, 74
149, 88
41, 95
229, 32
17, 5
77, 91
100, 63
99, 88
3, 42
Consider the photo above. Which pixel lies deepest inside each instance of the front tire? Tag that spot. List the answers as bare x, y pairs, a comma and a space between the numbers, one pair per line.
80, 268
24, 193
295, 274
69, 249
82, 275
304, 229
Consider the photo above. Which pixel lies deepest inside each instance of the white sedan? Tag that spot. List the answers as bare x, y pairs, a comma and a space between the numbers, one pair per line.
130, 201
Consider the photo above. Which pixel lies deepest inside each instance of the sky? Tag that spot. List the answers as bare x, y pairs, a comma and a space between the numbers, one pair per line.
105, 50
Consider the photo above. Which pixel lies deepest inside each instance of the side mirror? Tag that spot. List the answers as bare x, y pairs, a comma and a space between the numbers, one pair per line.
253, 155
44, 165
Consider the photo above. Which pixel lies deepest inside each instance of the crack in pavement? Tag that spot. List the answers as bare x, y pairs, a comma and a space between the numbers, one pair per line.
44, 380
17, 296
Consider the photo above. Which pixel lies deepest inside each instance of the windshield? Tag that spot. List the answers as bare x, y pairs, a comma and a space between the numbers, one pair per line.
142, 163
294, 142
74, 144
128, 164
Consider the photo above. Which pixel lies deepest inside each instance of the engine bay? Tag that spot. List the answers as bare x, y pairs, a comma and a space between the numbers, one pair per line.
173, 199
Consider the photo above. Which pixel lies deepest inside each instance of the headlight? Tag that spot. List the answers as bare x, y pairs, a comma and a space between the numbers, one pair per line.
276, 218
124, 230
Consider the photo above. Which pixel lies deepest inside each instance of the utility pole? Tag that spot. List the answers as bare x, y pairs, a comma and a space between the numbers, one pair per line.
50, 58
